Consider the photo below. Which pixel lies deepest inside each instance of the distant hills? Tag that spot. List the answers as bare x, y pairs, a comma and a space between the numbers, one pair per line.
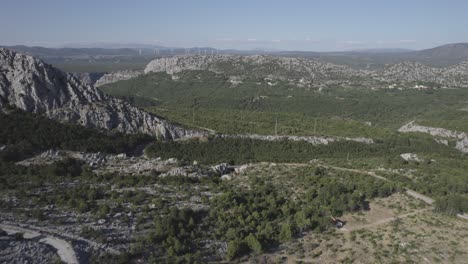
446, 52
394, 50
440, 56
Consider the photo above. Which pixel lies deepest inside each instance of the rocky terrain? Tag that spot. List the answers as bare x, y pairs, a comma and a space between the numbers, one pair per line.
102, 163
34, 86
14, 250
409, 72
456, 75
258, 66
315, 71
88, 78
116, 76
461, 138
310, 140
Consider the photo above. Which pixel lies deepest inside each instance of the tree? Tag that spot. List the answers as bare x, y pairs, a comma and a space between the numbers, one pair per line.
253, 243
233, 249
286, 233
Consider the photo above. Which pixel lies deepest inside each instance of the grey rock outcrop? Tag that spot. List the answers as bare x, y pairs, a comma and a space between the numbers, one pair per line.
34, 86
88, 78
222, 169
411, 157
113, 77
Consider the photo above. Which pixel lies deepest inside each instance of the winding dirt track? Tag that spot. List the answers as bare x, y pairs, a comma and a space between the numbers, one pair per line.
64, 249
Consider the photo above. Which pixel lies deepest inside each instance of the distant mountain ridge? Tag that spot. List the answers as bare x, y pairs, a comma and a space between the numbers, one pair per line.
451, 51
449, 54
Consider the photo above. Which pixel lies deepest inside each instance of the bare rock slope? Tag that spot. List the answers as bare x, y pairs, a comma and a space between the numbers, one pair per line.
34, 86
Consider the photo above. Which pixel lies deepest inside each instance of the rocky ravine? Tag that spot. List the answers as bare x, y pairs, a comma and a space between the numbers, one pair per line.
34, 86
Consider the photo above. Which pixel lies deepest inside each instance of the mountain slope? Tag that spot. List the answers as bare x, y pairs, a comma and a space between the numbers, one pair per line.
260, 66
409, 72
454, 76
449, 51
34, 86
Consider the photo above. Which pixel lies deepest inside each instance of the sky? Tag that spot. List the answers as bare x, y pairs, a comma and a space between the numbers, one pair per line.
330, 25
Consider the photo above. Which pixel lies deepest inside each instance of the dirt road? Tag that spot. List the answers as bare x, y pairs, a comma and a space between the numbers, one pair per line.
382, 221
64, 249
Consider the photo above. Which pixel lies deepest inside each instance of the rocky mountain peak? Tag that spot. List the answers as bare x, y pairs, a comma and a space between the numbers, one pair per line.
34, 86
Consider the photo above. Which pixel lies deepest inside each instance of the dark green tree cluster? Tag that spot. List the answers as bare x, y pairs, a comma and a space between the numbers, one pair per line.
26, 133
238, 150
258, 219
452, 204
175, 237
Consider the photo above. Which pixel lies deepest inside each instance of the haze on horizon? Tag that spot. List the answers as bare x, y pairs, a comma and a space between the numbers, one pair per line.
331, 25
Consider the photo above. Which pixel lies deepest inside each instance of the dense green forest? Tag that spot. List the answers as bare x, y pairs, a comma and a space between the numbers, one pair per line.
203, 99
25, 133
238, 150
220, 105
249, 220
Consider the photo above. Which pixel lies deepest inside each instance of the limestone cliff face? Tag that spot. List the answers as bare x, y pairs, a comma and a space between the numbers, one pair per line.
34, 86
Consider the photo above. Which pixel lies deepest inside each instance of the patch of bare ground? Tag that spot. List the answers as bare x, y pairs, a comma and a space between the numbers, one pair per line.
395, 229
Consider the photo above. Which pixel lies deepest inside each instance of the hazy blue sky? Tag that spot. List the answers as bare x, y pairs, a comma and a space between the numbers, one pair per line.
241, 24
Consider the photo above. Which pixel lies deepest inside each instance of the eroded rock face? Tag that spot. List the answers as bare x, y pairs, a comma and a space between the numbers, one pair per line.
34, 86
